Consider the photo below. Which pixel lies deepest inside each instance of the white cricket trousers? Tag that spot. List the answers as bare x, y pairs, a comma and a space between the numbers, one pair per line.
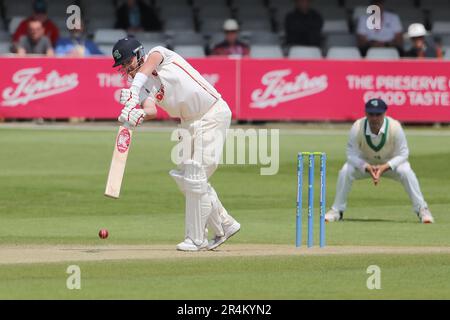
208, 136
403, 173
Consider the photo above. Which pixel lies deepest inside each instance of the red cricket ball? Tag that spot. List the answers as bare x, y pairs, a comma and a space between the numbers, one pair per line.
103, 233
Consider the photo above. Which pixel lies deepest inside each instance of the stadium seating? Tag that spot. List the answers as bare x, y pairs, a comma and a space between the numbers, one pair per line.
150, 36
185, 24
335, 26
304, 52
100, 23
266, 51
244, 12
192, 25
106, 48
438, 5
190, 51
173, 12
5, 48
248, 2
60, 22
445, 40
256, 25
279, 14
410, 15
161, 3
340, 40
4, 36
357, 12
263, 37
14, 23
439, 14
108, 36
17, 8
187, 38
333, 13
219, 12
210, 26
447, 53
441, 27
324, 3
205, 3
57, 8
95, 10
343, 53
382, 54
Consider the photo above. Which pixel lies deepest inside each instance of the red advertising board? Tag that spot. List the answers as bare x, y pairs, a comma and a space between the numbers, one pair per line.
89, 87
255, 89
416, 91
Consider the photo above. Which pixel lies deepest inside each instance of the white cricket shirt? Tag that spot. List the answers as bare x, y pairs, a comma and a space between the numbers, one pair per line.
390, 26
356, 156
178, 88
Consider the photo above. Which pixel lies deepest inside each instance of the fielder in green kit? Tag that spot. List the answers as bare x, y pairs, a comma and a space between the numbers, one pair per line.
377, 148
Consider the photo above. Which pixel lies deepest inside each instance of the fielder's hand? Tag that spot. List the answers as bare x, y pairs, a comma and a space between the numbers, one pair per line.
373, 171
132, 116
380, 170
129, 96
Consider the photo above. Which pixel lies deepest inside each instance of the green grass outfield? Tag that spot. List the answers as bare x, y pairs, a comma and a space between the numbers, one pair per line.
51, 192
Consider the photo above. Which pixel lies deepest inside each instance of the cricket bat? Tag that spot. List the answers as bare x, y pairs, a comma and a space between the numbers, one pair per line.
118, 163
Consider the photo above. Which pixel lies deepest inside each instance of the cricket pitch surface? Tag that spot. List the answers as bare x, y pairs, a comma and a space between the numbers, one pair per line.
22, 254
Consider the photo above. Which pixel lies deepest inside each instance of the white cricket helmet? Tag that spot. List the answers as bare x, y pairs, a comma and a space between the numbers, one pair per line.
416, 30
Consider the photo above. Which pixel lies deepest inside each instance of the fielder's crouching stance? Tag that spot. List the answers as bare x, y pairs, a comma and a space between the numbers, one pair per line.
377, 147
165, 78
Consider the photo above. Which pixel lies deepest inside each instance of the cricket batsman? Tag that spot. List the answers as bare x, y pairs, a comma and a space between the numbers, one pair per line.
164, 78
377, 147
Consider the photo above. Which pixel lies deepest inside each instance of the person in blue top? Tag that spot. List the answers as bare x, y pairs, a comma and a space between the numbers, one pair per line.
76, 45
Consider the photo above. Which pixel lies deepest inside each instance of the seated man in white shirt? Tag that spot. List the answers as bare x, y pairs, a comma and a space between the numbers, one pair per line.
377, 147
389, 35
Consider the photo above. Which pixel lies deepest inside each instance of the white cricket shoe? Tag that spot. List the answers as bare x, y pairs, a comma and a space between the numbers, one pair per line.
333, 215
229, 232
425, 216
189, 245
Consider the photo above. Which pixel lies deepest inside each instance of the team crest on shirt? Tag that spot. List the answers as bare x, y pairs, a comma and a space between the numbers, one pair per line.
160, 94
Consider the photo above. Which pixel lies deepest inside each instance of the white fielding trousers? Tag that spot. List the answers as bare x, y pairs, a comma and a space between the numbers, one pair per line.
403, 173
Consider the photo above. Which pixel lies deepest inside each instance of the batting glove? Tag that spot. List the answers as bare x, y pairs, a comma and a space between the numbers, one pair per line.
132, 116
129, 96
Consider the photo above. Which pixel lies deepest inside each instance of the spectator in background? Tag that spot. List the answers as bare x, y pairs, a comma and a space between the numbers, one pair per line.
231, 46
35, 42
389, 35
77, 45
421, 48
39, 13
135, 15
303, 26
